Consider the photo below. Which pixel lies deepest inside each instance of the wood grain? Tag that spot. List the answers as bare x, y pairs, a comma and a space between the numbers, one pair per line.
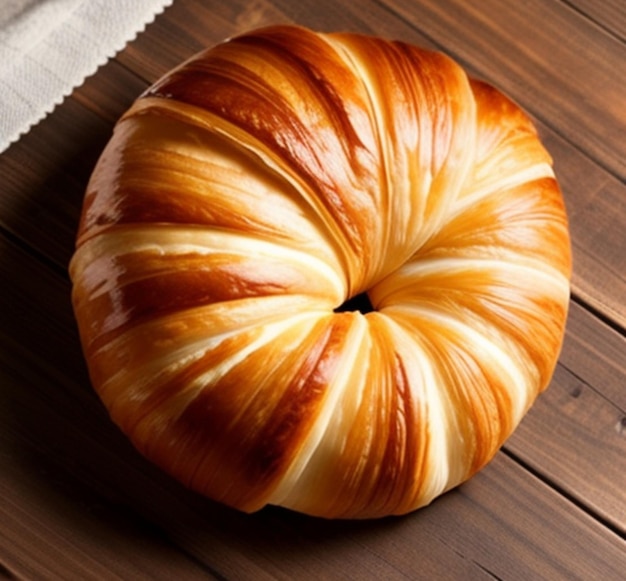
581, 420
596, 210
78, 502
46, 174
609, 15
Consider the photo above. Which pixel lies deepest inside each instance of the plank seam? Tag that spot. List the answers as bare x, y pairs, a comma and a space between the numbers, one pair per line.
612, 33
15, 240
598, 314
6, 573
610, 526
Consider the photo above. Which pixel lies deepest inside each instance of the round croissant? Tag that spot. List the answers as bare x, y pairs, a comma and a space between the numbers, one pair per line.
252, 191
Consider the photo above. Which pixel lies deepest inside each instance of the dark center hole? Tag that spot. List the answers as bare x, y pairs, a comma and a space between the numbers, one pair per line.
359, 302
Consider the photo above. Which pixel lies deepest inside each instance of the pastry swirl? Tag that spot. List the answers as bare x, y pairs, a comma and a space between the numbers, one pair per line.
252, 191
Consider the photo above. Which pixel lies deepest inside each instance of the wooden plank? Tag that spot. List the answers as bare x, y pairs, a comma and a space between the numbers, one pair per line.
49, 526
188, 28
518, 528
504, 523
609, 14
70, 535
44, 179
581, 421
599, 243
596, 354
191, 26
53, 426
110, 92
596, 205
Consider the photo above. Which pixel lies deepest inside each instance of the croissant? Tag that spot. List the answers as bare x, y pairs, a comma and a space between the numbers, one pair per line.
245, 200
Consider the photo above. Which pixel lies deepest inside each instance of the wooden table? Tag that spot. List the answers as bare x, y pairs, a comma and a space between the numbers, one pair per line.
77, 502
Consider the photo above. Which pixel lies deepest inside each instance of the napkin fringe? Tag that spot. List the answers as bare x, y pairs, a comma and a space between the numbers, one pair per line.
40, 80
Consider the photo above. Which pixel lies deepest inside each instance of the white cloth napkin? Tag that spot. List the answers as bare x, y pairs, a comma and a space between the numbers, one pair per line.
49, 47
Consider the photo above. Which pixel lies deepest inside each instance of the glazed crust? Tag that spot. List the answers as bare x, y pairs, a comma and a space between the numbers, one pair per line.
253, 190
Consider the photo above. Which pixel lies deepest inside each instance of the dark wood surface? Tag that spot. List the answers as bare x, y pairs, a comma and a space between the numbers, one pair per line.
77, 502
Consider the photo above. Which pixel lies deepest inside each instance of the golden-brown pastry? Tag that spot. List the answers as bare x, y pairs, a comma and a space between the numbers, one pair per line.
253, 190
